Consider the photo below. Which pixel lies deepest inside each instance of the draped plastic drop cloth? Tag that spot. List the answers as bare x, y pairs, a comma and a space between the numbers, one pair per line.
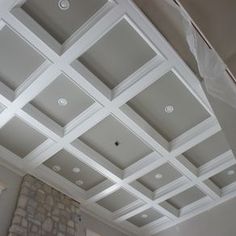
211, 68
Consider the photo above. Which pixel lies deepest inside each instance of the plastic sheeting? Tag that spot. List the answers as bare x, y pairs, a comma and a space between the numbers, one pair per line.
212, 69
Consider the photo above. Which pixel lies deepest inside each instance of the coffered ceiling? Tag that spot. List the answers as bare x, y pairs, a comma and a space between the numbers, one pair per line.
100, 106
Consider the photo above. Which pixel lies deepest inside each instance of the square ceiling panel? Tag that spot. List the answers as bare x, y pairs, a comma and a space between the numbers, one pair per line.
74, 170
169, 91
61, 24
117, 200
20, 138
16, 53
185, 198
225, 177
207, 150
159, 177
115, 142
145, 217
117, 55
48, 101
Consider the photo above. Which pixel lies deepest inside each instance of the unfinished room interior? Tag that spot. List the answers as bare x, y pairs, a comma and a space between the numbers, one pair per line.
117, 118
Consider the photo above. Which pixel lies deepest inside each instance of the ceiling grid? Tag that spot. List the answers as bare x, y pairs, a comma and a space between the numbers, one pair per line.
113, 105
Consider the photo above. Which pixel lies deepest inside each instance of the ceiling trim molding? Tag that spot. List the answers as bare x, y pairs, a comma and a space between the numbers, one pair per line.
61, 59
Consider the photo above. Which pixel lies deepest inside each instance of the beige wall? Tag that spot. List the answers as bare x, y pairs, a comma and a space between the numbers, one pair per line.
97, 226
8, 198
220, 221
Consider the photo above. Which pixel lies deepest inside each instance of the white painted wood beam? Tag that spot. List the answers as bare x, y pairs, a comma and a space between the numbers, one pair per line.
58, 59
143, 166
194, 136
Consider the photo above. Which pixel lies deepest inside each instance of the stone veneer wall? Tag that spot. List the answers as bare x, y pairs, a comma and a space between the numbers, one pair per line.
42, 210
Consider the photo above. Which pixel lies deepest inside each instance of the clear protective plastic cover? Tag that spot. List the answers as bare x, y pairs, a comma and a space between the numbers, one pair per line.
211, 67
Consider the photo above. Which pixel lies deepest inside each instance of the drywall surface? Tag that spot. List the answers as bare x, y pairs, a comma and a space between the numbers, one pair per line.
218, 221
97, 226
8, 198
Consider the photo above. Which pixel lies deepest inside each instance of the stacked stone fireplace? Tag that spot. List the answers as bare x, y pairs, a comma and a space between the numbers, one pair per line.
43, 211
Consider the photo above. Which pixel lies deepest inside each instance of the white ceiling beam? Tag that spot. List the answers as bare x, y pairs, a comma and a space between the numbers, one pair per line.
130, 207
194, 178
195, 206
130, 213
88, 82
194, 136
108, 6
140, 80
91, 36
93, 159
229, 190
48, 75
60, 57
167, 211
6, 95
55, 180
215, 190
34, 161
95, 107
2, 24
143, 166
170, 190
157, 39
160, 196
101, 190
41, 122
217, 165
142, 129
27, 28
8, 5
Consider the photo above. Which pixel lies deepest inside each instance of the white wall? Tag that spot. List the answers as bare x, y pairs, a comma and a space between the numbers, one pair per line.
220, 221
8, 198
97, 226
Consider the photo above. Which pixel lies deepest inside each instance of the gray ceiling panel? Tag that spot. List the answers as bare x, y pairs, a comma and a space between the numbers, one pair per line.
67, 162
62, 24
117, 55
167, 172
11, 51
145, 217
62, 87
103, 137
19, 137
117, 200
169, 90
208, 149
225, 177
187, 197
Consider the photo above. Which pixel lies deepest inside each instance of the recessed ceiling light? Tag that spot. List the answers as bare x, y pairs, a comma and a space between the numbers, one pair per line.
158, 176
144, 216
169, 109
62, 102
56, 168
230, 172
76, 170
64, 4
79, 182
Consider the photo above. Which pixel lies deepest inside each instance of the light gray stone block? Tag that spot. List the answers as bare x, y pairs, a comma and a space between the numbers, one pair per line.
42, 210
